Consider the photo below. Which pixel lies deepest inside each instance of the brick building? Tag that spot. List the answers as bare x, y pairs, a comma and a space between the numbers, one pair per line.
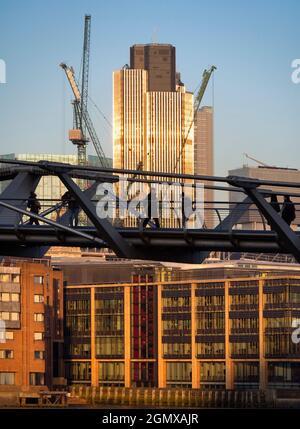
31, 315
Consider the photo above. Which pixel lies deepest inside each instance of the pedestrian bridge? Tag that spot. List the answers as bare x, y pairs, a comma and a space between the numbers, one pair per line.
177, 241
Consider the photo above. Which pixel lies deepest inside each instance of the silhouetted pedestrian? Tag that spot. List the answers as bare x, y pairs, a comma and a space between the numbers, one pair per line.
73, 208
186, 209
152, 209
274, 203
34, 205
288, 210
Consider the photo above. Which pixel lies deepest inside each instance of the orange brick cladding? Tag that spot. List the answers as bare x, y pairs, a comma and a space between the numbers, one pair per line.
33, 281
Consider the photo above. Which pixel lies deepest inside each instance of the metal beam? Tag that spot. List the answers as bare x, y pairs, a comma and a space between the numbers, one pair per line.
51, 222
19, 188
286, 235
107, 232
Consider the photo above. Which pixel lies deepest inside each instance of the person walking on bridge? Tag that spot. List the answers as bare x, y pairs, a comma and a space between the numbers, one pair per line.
34, 205
73, 208
151, 206
288, 213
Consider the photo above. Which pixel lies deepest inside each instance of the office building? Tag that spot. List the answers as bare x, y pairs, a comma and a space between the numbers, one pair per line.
217, 326
152, 117
204, 156
252, 219
151, 126
31, 316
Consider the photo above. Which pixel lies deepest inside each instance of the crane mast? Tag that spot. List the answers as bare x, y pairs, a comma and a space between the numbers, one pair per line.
85, 68
82, 123
69, 71
197, 102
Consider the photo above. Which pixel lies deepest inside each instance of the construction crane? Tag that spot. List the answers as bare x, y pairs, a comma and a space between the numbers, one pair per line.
197, 102
257, 160
81, 118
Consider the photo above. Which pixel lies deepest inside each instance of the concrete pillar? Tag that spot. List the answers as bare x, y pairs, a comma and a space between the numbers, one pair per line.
262, 360
94, 363
195, 363
127, 329
160, 360
228, 361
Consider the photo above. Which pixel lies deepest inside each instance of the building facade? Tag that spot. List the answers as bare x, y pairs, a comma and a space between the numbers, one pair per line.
150, 127
31, 316
204, 156
152, 119
160, 62
230, 333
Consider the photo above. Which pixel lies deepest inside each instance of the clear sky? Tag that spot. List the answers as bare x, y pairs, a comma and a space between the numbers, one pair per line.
253, 43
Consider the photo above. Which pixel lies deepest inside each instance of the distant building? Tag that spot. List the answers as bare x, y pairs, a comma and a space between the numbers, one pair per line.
215, 326
204, 156
31, 316
252, 218
50, 188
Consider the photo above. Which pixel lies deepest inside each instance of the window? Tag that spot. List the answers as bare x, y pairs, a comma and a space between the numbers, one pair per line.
15, 297
36, 378
39, 354
15, 278
4, 315
14, 316
5, 297
38, 298
6, 354
38, 280
7, 378
9, 335
38, 336
38, 317
5, 278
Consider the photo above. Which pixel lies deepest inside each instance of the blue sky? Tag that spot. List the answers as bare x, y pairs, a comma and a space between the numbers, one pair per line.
253, 43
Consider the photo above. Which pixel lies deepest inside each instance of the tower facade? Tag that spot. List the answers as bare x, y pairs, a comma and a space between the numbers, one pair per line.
204, 156
160, 62
151, 115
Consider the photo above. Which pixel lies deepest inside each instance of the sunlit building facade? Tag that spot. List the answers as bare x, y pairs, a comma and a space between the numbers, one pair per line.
152, 119
204, 156
31, 326
151, 127
234, 332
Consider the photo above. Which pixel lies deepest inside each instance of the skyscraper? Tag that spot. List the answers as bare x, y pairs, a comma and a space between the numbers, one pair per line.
203, 155
152, 116
160, 62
